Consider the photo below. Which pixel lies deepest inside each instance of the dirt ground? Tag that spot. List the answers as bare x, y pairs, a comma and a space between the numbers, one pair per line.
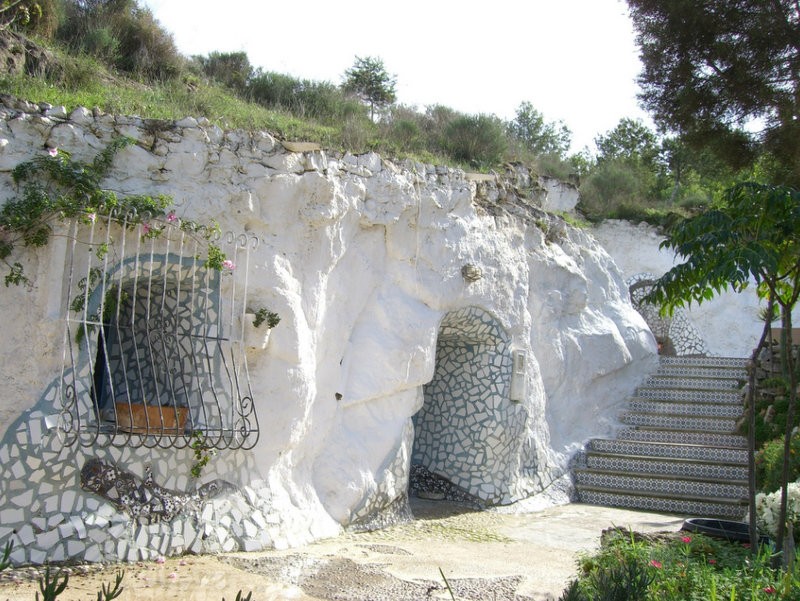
483, 556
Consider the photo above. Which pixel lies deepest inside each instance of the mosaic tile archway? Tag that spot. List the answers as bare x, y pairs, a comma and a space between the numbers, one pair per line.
676, 334
468, 431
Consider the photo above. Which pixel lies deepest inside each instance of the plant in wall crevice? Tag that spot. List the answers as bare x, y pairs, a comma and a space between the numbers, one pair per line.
262, 315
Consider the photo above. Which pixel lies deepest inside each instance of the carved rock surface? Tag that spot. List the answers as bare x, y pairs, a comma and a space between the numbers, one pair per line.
362, 260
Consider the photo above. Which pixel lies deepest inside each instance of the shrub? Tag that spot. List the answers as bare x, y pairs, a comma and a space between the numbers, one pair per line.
274, 90
231, 69
677, 568
124, 35
769, 463
478, 140
611, 185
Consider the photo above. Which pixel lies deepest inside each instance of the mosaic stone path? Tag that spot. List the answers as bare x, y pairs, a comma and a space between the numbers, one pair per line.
680, 451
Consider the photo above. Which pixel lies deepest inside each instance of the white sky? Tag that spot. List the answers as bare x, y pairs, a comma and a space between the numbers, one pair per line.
574, 60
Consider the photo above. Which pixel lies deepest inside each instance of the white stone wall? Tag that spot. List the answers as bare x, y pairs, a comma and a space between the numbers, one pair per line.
362, 259
729, 323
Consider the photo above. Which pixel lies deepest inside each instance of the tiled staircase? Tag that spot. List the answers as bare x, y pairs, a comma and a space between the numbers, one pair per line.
679, 452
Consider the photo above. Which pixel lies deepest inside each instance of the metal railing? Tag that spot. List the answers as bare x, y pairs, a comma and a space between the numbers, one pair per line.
153, 339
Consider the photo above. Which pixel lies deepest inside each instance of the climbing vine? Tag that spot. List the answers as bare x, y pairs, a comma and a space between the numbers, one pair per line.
55, 188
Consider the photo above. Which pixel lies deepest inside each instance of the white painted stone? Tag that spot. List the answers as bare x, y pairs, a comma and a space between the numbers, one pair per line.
47, 540
729, 323
362, 260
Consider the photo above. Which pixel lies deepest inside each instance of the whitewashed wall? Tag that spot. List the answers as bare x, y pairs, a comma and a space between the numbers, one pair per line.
362, 259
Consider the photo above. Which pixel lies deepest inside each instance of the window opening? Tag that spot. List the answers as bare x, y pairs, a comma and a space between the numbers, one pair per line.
153, 340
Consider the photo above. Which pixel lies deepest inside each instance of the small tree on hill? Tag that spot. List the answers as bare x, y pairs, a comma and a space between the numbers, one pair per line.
369, 79
538, 136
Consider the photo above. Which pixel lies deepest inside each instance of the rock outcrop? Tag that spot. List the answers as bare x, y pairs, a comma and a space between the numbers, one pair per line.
404, 290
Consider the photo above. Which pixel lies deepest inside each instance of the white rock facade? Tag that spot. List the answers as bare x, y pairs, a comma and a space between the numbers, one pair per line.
404, 290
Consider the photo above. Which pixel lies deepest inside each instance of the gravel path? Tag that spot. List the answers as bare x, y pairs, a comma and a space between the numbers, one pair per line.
483, 555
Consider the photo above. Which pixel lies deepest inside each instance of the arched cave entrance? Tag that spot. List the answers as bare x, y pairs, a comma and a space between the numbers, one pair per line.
676, 334
468, 432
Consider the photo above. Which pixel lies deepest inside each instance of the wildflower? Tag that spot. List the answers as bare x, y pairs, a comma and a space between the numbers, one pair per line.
145, 229
655, 563
160, 559
173, 575
770, 590
712, 561
172, 217
91, 217
686, 539
228, 264
53, 152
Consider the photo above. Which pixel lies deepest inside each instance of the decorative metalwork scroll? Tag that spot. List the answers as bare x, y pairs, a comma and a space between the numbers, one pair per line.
153, 341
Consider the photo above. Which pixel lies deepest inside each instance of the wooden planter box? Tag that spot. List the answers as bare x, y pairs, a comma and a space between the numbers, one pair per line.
147, 419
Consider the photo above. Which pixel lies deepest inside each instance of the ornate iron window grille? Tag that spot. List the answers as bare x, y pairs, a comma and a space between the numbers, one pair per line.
154, 350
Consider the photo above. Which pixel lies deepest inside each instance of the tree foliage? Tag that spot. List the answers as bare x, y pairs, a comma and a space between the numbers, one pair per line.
231, 69
18, 13
725, 74
537, 135
753, 236
369, 79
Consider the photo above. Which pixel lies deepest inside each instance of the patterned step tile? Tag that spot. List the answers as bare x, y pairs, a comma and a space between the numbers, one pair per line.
678, 451
691, 383
699, 396
694, 409
661, 486
707, 439
665, 467
706, 361
685, 507
738, 374
671, 422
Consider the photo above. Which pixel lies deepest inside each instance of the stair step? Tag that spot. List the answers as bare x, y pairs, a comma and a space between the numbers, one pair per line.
698, 396
720, 410
667, 467
708, 439
705, 361
690, 383
676, 422
738, 374
688, 507
661, 485
678, 451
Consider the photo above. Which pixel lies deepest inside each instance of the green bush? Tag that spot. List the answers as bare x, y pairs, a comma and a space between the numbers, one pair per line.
769, 463
273, 90
679, 567
478, 140
231, 69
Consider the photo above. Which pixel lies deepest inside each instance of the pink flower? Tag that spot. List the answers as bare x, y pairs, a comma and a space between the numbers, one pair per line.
160, 559
228, 264
173, 575
712, 561
687, 539
655, 563
91, 217
53, 152
145, 229
172, 217
770, 590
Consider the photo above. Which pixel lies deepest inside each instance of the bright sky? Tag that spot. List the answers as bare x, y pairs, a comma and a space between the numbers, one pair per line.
574, 60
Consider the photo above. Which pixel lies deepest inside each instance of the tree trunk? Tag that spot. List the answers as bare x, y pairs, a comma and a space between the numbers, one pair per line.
751, 428
788, 364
